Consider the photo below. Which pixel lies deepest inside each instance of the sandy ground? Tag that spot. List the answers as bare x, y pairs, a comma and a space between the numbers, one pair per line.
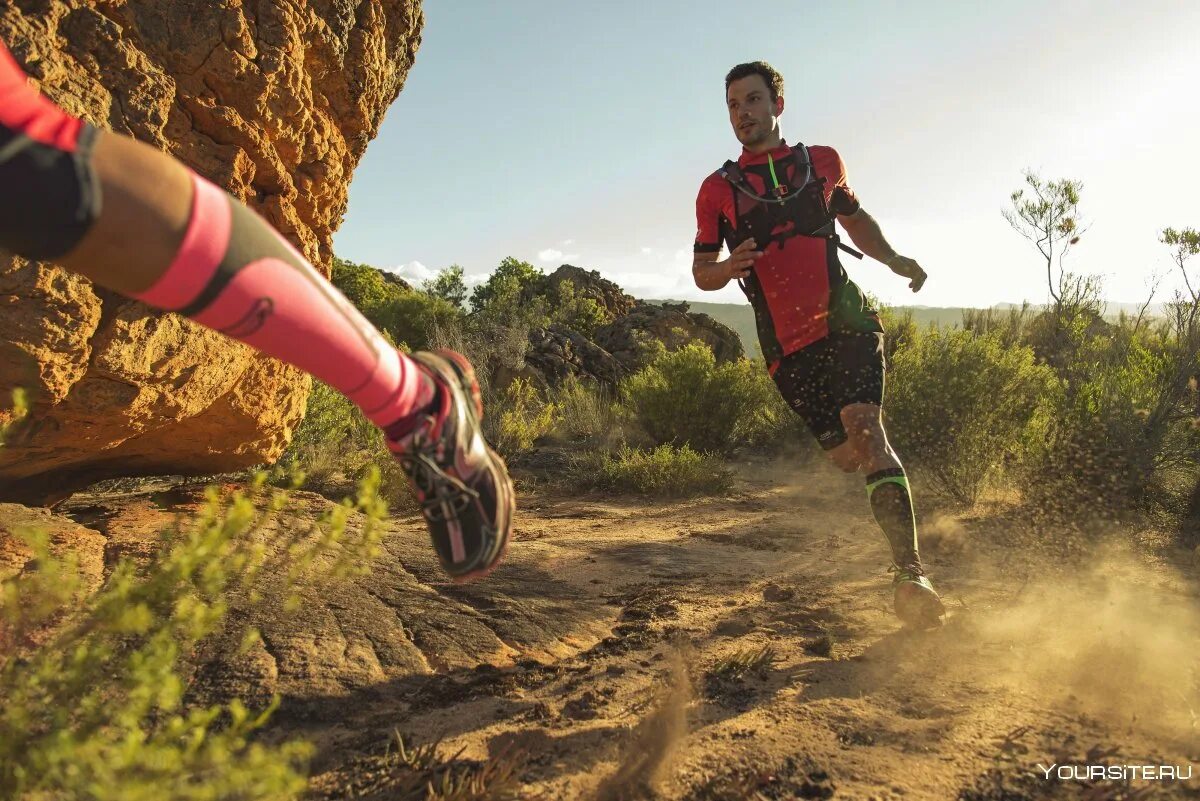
641, 601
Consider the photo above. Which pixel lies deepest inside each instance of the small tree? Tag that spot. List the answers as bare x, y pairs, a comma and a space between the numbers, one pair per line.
1185, 244
449, 285
505, 283
1049, 218
1184, 314
404, 314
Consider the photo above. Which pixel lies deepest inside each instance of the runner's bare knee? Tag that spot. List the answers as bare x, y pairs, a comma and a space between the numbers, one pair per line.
846, 457
864, 429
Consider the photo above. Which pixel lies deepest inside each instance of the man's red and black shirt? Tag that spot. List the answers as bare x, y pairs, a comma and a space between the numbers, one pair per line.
798, 288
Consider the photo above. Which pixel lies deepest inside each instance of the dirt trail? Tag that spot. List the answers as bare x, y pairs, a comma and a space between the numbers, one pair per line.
596, 651
1070, 669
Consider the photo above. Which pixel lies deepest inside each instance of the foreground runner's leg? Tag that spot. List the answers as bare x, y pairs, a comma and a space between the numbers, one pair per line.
136, 221
915, 600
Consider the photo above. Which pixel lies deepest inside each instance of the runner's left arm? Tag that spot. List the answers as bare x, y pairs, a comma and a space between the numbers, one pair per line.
868, 237
865, 233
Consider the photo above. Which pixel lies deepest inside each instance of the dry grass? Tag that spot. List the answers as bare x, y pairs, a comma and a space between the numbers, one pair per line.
422, 773
744, 662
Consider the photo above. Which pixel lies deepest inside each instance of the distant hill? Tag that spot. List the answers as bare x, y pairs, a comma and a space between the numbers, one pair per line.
740, 317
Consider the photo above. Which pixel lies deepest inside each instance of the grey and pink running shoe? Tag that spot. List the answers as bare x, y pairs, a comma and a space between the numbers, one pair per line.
466, 496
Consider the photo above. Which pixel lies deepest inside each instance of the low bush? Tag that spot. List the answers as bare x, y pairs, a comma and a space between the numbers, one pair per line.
92, 683
334, 448
685, 398
665, 471
960, 405
586, 412
1122, 430
520, 416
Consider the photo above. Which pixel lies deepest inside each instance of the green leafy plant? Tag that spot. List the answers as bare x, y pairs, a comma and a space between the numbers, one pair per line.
406, 315
92, 680
960, 404
586, 411
336, 446
666, 471
685, 397
522, 416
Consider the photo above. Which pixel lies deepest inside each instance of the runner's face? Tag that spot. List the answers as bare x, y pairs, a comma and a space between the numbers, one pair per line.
752, 113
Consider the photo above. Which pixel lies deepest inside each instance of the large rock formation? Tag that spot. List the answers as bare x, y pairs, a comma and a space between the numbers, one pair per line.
274, 100
621, 346
558, 353
587, 284
672, 324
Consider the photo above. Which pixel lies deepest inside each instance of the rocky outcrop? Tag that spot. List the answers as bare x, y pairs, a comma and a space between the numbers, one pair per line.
400, 622
558, 353
672, 324
587, 284
273, 100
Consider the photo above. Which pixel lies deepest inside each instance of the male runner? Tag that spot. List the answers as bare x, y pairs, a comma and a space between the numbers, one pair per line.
774, 208
137, 221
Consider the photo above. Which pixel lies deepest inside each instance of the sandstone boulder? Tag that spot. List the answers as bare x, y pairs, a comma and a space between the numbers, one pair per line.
274, 100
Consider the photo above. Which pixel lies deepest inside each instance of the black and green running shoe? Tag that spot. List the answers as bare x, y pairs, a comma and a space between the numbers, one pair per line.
917, 603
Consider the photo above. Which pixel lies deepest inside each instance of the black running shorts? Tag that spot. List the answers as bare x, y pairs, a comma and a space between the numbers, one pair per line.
820, 380
49, 195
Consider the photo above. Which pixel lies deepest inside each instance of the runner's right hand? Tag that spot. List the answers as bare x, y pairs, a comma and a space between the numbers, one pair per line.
741, 259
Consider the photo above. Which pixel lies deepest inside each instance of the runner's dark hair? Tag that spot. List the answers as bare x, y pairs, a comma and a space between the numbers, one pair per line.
769, 74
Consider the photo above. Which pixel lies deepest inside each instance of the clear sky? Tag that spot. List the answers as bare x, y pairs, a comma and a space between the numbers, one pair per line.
580, 132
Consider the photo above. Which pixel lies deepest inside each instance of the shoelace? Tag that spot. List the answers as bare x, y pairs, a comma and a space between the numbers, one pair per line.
444, 496
906, 573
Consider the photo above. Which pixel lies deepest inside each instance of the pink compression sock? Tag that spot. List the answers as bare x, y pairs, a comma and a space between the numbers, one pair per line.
235, 274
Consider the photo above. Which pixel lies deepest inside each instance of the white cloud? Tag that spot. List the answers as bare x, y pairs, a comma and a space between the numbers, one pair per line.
413, 271
661, 274
566, 243
647, 251
552, 255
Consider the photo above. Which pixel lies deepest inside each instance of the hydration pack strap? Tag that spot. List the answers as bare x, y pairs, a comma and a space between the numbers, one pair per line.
733, 173
848, 249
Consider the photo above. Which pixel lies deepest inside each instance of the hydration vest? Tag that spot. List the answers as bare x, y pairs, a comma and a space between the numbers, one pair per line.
796, 210
795, 206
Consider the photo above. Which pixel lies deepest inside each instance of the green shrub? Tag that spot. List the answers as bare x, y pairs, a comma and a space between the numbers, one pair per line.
518, 419
1012, 326
504, 286
92, 683
405, 315
586, 411
899, 330
662, 471
1120, 425
959, 404
685, 397
766, 419
449, 284
576, 312
334, 448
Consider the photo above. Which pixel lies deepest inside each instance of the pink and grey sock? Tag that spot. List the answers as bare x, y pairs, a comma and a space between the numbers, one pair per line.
237, 275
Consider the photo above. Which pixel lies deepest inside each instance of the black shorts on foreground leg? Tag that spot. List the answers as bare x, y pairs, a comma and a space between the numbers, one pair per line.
820, 380
49, 196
